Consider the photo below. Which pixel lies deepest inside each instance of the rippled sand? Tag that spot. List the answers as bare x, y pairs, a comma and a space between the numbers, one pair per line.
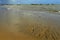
30, 30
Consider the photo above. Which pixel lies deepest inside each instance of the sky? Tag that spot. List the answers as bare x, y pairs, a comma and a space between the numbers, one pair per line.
29, 1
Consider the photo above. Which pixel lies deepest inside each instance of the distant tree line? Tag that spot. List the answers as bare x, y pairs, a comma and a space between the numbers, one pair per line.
42, 4
30, 4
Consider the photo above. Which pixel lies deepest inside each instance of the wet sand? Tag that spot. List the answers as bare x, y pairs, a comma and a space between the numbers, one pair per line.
18, 24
